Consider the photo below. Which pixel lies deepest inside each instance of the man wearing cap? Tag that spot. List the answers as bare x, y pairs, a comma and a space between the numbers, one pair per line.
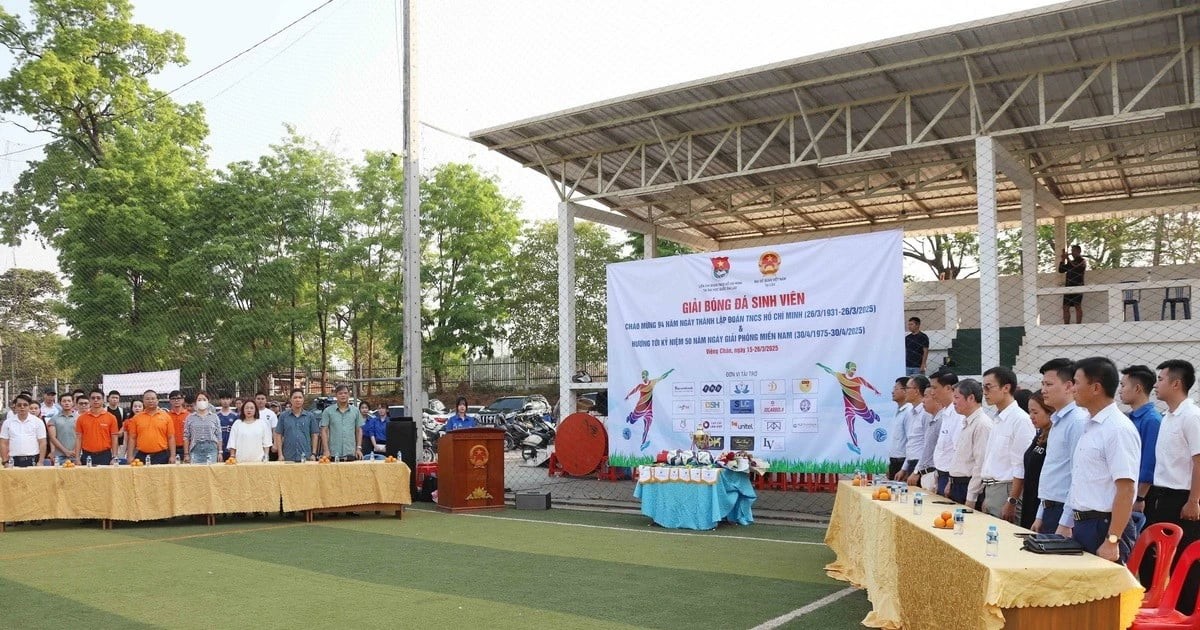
179, 414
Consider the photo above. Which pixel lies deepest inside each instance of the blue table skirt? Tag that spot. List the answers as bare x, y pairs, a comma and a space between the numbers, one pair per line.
691, 505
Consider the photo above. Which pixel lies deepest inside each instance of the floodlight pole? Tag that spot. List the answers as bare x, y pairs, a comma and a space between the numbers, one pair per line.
414, 391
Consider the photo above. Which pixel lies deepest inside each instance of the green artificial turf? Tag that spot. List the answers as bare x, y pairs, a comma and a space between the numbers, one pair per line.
510, 569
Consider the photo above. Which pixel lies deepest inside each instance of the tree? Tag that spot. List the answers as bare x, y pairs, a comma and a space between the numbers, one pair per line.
468, 231
29, 341
944, 254
80, 73
533, 329
370, 311
118, 175
637, 246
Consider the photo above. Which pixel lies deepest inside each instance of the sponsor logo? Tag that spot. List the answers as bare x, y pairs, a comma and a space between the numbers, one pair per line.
772, 387
720, 266
712, 388
805, 406
741, 388
741, 425
806, 386
774, 405
880, 434
771, 443
714, 443
683, 389
741, 442
804, 425
684, 407
769, 263
682, 425
712, 406
710, 425
772, 426
742, 406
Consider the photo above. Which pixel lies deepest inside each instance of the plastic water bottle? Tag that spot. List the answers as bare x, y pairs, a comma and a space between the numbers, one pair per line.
960, 520
993, 541
918, 503
89, 461
903, 493
147, 460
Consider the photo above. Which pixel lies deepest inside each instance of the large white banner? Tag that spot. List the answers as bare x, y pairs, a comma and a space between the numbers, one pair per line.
135, 383
788, 351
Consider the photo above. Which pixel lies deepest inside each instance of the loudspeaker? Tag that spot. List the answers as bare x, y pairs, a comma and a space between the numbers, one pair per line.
402, 438
533, 501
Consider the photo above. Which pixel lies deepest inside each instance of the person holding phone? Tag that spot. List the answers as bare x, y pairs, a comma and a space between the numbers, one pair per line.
1074, 266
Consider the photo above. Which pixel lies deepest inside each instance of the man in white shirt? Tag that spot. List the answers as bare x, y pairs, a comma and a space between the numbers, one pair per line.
1175, 495
1066, 425
925, 474
970, 447
1104, 467
265, 412
914, 391
22, 438
900, 428
50, 406
943, 384
1012, 433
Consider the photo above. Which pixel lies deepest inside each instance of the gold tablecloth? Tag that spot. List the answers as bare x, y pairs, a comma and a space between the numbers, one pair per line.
152, 492
917, 576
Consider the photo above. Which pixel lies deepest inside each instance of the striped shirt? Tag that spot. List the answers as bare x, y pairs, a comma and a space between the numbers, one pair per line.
200, 428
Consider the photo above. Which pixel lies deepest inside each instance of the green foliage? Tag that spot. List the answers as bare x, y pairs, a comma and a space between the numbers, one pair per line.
468, 231
637, 246
80, 74
944, 254
29, 340
533, 330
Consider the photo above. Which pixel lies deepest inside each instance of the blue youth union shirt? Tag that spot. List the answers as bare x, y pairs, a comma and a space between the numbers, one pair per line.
456, 422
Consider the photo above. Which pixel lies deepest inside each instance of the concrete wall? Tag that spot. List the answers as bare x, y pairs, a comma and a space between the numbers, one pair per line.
927, 300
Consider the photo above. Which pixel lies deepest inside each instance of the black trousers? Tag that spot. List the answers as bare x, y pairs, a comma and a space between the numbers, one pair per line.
958, 489
25, 461
161, 457
99, 458
894, 466
1163, 505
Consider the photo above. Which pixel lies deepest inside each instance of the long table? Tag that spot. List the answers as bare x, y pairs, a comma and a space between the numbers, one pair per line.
917, 576
125, 493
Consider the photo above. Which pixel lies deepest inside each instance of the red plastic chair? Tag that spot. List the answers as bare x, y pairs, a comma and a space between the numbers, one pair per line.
1166, 617
1165, 538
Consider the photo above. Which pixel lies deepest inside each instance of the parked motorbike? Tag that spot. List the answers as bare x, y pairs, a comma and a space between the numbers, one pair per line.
431, 431
539, 439
516, 429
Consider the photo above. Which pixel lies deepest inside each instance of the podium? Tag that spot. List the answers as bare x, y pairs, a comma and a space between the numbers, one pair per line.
471, 470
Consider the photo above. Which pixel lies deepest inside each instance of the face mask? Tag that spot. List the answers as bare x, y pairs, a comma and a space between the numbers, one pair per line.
201, 405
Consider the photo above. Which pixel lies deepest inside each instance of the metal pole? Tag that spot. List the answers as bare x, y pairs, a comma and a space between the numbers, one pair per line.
989, 275
566, 307
413, 389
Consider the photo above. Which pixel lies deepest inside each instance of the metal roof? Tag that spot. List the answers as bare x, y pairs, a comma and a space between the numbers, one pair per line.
1099, 99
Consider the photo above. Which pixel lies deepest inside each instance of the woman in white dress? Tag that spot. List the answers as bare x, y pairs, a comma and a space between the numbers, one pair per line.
249, 437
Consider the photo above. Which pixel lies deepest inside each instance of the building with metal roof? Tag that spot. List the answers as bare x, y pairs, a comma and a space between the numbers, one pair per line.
1079, 110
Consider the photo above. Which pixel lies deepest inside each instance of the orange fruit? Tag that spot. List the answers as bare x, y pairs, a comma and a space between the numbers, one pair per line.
856, 482
948, 517
938, 522
884, 495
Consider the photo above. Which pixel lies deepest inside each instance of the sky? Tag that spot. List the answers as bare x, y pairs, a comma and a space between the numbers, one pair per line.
336, 74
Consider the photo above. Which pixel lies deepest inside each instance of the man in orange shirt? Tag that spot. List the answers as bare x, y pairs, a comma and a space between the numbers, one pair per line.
96, 432
151, 432
179, 414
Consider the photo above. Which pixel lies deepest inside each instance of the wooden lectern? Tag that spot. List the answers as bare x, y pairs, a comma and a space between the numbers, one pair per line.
471, 470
